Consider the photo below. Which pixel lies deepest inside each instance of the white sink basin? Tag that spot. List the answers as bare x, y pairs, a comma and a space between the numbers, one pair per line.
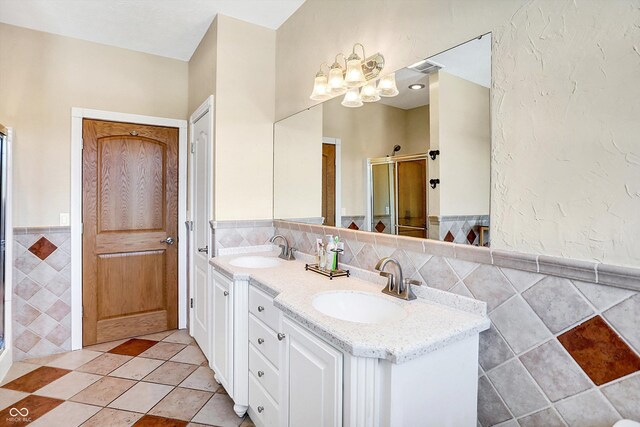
255, 262
358, 307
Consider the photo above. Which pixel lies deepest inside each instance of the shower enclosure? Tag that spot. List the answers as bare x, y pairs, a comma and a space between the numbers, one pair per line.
4, 263
397, 195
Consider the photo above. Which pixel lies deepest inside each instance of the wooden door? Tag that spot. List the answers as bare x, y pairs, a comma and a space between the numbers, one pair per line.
329, 184
130, 210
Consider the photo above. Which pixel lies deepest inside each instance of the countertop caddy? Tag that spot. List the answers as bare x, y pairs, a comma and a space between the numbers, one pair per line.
405, 363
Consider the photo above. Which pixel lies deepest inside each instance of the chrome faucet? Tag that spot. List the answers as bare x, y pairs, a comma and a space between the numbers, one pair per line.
402, 287
287, 252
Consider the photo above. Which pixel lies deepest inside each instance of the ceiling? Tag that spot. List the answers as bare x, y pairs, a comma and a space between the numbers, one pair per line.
470, 61
171, 28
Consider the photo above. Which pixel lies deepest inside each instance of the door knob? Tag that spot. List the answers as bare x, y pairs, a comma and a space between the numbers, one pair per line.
281, 336
205, 249
260, 308
169, 240
260, 340
260, 409
226, 293
260, 373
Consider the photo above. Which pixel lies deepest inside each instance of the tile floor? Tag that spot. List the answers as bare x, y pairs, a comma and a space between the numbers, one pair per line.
161, 379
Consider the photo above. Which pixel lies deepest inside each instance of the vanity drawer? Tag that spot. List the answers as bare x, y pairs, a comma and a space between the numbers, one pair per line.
265, 411
264, 372
261, 305
265, 340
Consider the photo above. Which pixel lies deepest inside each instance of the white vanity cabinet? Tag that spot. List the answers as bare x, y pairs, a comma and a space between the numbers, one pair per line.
295, 378
222, 339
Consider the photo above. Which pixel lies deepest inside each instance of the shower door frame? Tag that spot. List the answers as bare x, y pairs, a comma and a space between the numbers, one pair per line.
6, 354
370, 162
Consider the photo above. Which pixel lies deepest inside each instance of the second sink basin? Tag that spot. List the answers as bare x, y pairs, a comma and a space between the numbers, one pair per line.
255, 262
358, 307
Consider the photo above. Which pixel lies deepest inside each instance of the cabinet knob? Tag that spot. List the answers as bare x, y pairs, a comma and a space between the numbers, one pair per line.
260, 409
260, 374
260, 308
226, 293
280, 336
260, 340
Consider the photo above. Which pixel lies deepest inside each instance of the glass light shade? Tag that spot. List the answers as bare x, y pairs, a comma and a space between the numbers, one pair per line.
354, 76
369, 93
387, 86
320, 88
352, 98
336, 81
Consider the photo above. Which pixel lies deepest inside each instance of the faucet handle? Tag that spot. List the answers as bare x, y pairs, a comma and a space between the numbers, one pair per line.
390, 279
290, 255
407, 292
408, 281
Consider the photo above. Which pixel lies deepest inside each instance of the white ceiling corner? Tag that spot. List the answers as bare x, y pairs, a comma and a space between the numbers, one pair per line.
170, 28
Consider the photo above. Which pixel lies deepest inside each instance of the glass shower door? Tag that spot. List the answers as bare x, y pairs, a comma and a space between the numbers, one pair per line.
412, 198
383, 198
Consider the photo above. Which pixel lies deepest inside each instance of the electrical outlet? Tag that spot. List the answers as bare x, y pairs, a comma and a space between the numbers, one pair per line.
64, 219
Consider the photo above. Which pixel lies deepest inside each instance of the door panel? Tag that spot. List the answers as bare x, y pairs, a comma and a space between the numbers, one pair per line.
329, 184
130, 198
412, 198
201, 208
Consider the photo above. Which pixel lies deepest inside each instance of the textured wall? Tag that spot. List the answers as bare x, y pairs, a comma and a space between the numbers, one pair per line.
566, 162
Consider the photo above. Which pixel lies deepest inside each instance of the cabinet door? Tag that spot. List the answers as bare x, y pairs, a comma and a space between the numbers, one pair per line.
314, 379
222, 336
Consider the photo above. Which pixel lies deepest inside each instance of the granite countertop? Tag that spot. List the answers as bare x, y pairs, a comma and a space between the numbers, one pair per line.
433, 321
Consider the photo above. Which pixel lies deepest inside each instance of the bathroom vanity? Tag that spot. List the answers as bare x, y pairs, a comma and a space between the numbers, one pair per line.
296, 349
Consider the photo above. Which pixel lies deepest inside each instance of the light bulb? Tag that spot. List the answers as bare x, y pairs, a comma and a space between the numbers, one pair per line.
320, 88
336, 80
369, 93
387, 86
352, 98
355, 76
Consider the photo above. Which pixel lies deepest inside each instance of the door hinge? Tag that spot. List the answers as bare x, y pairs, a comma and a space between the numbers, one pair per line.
82, 313
191, 303
193, 147
82, 228
82, 146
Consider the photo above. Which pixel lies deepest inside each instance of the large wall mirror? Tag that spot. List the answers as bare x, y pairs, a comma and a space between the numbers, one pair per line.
416, 164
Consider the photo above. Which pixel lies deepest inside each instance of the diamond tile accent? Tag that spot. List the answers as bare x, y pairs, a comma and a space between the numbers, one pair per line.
42, 248
353, 226
449, 237
599, 351
557, 302
471, 236
36, 379
380, 227
555, 371
37, 405
133, 347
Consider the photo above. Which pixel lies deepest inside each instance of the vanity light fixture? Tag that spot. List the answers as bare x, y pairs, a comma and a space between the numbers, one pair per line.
416, 86
348, 79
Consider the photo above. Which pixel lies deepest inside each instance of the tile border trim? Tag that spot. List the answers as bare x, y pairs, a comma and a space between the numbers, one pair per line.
587, 271
41, 230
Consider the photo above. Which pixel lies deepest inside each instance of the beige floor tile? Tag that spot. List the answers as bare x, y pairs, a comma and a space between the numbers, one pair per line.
9, 397
68, 414
112, 418
136, 368
141, 397
181, 403
104, 364
106, 346
201, 379
190, 354
218, 411
247, 422
44, 360
17, 370
104, 391
68, 385
171, 373
181, 337
163, 350
158, 336
74, 359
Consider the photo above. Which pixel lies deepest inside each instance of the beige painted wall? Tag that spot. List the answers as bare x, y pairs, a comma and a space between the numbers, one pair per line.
297, 157
43, 76
566, 162
202, 68
465, 146
417, 125
245, 93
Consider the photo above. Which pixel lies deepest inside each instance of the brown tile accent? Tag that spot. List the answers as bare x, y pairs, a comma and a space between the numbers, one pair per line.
42, 248
36, 379
36, 405
599, 351
153, 421
380, 227
353, 226
471, 236
133, 347
449, 237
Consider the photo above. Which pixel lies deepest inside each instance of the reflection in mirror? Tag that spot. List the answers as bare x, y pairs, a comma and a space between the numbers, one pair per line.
415, 165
